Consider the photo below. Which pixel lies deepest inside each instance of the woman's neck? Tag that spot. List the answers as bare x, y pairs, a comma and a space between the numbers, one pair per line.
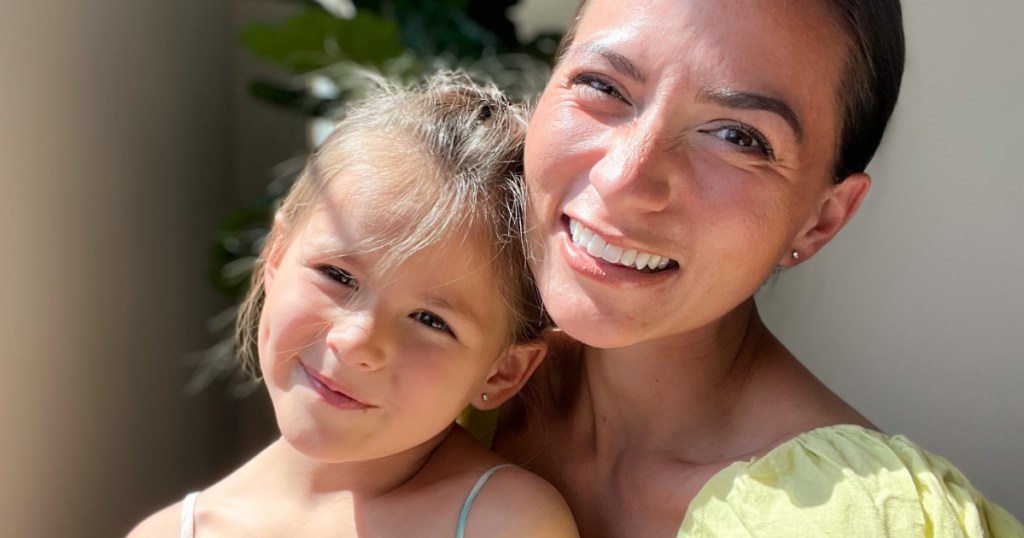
680, 391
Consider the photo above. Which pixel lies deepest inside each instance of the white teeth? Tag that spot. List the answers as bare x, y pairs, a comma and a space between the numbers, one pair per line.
612, 253
583, 237
641, 260
599, 248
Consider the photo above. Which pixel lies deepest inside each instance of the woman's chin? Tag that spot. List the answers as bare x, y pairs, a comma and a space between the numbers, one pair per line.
596, 328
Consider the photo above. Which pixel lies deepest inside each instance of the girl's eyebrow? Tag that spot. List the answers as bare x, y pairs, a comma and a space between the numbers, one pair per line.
731, 98
453, 308
328, 246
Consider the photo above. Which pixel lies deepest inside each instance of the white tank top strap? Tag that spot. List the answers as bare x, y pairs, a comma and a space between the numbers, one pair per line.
188, 515
460, 530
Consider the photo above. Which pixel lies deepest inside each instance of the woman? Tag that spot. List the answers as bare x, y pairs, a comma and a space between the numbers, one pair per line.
682, 152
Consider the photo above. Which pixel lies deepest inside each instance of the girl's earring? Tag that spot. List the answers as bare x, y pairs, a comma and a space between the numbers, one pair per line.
795, 255
484, 397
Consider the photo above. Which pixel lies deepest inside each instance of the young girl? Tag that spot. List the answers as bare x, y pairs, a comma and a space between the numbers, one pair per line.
392, 292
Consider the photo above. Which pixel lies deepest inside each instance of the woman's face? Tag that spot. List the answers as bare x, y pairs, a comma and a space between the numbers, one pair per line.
693, 138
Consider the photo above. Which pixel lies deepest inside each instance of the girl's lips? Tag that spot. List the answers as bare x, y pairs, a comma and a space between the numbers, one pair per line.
333, 397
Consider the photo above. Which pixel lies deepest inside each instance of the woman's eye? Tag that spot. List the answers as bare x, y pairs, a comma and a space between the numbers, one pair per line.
432, 321
747, 138
597, 83
340, 276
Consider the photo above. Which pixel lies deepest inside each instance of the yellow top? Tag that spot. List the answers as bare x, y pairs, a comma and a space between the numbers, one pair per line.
845, 481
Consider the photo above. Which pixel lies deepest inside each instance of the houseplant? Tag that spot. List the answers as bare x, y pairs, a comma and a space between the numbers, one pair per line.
318, 50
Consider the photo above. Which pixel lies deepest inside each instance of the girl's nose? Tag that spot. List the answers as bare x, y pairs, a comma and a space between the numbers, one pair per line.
635, 172
359, 340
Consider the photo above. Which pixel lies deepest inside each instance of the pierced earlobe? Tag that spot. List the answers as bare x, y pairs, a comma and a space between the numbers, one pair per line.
510, 373
838, 205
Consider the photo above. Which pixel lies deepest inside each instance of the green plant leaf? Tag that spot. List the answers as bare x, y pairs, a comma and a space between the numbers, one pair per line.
296, 99
315, 39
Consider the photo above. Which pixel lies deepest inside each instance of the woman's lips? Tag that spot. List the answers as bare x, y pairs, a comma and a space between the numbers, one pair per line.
333, 397
595, 245
583, 262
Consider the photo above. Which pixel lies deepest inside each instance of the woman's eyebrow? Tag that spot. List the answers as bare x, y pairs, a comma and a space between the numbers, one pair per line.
619, 62
730, 98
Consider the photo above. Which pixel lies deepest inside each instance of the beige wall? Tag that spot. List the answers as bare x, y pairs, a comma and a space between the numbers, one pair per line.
915, 313
114, 159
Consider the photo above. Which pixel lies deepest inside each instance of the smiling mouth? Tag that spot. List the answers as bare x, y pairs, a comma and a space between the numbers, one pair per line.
594, 245
331, 396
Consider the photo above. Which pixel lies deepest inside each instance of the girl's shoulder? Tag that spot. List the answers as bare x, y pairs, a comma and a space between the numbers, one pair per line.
514, 502
835, 479
166, 522
221, 505
498, 498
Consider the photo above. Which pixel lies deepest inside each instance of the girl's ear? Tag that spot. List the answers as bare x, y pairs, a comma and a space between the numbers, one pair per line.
274, 256
509, 374
275, 250
836, 208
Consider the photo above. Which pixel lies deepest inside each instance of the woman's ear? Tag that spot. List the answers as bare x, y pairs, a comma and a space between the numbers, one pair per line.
509, 374
834, 210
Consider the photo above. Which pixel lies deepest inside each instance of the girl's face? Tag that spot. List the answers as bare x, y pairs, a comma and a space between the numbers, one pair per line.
694, 135
361, 376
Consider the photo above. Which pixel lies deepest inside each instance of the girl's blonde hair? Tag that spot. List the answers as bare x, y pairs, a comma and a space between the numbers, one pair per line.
449, 156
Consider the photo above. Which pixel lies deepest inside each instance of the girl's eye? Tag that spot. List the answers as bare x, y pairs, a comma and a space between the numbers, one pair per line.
432, 321
599, 84
747, 138
340, 276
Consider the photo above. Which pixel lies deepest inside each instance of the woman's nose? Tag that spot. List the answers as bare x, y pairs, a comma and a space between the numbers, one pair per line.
635, 172
359, 340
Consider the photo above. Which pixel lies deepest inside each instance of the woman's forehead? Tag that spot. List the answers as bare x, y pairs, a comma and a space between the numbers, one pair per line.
790, 51
756, 37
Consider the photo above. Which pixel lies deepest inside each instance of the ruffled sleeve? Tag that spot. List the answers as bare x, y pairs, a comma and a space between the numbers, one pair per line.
845, 481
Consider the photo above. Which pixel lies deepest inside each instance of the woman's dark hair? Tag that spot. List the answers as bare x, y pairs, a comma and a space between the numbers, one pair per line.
871, 78
870, 82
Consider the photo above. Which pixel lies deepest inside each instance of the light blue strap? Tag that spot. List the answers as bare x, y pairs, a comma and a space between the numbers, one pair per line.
460, 531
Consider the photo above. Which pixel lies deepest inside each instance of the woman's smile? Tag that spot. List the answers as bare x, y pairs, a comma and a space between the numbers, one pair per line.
643, 261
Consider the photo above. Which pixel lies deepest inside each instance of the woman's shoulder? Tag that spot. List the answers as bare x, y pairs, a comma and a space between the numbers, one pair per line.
835, 479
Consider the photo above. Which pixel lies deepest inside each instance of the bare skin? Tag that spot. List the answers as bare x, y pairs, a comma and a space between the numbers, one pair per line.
264, 497
629, 441
702, 133
365, 393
